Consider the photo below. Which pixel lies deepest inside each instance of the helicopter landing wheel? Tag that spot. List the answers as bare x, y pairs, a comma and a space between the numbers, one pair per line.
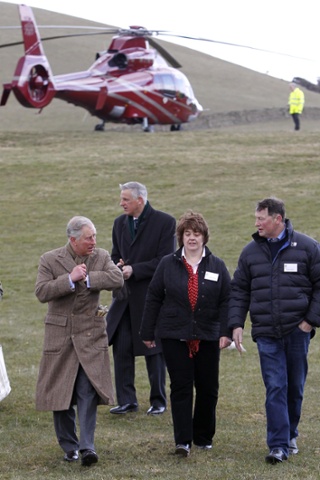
99, 127
175, 128
148, 129
145, 125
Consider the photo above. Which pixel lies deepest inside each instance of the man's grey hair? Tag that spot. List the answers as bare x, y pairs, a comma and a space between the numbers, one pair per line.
76, 224
137, 190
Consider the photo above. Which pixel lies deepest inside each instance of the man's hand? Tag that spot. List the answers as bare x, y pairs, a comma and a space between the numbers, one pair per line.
305, 326
237, 338
79, 273
127, 271
149, 343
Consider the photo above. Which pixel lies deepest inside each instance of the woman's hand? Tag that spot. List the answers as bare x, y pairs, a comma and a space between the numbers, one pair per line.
224, 342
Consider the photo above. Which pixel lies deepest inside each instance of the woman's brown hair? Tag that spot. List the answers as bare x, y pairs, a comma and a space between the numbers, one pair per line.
192, 221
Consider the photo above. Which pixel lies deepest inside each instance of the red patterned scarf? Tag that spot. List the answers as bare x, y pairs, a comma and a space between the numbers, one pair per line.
193, 345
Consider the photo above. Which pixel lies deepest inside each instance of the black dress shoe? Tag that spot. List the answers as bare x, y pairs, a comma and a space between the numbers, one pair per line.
276, 455
71, 456
153, 410
122, 409
183, 449
88, 457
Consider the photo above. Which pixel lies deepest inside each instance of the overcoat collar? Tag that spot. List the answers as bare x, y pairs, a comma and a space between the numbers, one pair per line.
143, 221
65, 258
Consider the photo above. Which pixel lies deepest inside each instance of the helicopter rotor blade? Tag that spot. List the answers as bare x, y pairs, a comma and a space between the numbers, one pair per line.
230, 44
139, 31
101, 31
57, 37
166, 55
12, 44
112, 31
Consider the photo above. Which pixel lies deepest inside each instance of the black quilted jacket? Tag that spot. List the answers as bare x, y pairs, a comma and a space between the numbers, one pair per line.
168, 311
279, 294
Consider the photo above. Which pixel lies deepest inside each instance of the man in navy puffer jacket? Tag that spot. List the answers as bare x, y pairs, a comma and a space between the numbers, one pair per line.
278, 281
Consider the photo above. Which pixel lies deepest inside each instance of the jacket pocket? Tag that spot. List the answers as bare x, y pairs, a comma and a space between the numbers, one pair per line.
56, 319
100, 334
55, 335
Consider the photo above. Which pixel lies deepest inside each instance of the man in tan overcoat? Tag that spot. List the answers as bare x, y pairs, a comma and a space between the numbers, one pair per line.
75, 367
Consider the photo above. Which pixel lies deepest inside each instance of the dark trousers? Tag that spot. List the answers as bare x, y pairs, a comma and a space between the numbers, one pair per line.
296, 120
86, 399
201, 372
124, 368
284, 368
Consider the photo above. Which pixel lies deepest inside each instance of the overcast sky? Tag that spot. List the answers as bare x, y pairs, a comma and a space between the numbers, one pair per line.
285, 26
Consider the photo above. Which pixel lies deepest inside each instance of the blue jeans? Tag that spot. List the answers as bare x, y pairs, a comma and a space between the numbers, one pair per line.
284, 369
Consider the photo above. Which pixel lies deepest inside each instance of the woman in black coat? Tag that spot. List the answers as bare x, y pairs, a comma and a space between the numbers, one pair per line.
186, 307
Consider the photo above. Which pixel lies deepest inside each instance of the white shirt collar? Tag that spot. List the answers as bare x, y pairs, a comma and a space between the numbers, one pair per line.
195, 267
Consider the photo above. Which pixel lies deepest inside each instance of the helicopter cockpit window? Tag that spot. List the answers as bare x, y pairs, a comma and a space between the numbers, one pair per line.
173, 86
184, 86
166, 84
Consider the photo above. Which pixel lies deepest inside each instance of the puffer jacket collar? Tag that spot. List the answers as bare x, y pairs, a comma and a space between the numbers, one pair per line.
256, 237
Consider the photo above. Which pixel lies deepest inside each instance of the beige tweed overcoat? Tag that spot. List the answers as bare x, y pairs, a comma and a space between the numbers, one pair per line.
74, 334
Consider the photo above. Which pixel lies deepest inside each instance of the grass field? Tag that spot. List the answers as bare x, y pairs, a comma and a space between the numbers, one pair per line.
45, 180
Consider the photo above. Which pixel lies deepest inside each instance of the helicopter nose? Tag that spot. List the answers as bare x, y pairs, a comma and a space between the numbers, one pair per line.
199, 107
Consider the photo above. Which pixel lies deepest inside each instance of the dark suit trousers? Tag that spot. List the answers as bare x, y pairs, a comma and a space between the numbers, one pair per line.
296, 120
86, 399
202, 373
124, 368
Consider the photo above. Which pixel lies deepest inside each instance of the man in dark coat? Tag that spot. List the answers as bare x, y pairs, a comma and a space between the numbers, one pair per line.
141, 237
278, 281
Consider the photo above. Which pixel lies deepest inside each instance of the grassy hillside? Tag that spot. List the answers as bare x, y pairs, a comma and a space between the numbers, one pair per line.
221, 87
46, 179
53, 167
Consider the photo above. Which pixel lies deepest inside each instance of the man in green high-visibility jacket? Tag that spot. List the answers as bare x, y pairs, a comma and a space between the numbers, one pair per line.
296, 104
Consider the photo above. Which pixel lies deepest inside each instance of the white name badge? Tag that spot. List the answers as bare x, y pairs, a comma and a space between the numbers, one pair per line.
290, 267
211, 276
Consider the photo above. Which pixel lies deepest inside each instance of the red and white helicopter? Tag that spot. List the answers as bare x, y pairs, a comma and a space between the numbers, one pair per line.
135, 81
129, 83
